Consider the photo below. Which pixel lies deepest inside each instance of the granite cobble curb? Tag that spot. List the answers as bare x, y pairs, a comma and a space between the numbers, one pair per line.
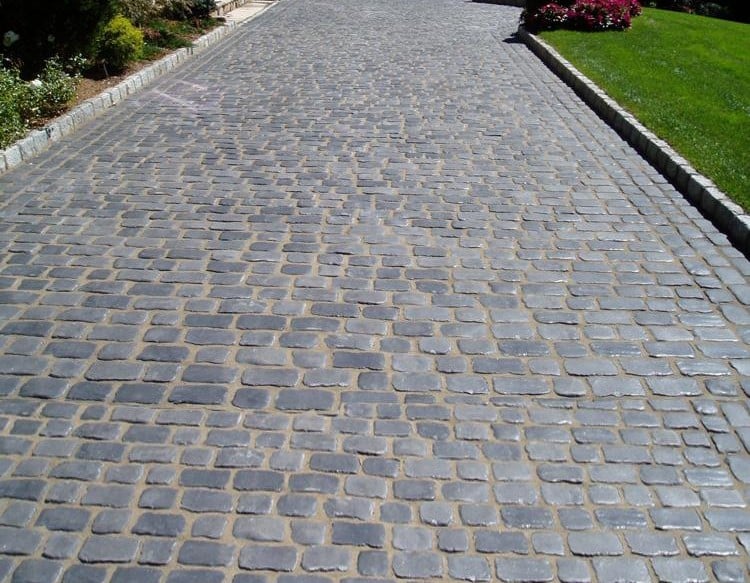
38, 140
728, 216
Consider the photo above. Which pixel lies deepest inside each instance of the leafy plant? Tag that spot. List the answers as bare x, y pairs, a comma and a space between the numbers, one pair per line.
712, 9
602, 14
186, 9
202, 8
24, 104
532, 6
729, 9
36, 30
119, 43
139, 11
161, 33
54, 89
15, 95
583, 15
547, 17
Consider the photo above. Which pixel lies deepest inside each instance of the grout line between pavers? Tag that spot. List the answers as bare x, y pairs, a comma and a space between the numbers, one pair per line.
726, 215
39, 140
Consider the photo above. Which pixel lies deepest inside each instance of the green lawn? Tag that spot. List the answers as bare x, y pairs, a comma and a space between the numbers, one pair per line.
685, 77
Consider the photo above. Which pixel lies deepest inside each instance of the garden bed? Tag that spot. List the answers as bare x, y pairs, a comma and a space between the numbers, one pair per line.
161, 35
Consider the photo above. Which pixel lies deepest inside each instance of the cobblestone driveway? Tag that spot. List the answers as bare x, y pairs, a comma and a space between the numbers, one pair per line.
366, 293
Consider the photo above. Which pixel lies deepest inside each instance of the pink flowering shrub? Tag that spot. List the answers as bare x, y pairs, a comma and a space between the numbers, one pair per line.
550, 16
583, 15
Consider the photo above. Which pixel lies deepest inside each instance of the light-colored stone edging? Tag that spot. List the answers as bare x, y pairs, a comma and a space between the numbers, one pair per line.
38, 140
699, 190
224, 6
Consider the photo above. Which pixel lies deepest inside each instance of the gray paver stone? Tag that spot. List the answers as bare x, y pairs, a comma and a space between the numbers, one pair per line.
523, 570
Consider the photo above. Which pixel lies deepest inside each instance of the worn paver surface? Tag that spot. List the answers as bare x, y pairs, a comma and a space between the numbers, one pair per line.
366, 292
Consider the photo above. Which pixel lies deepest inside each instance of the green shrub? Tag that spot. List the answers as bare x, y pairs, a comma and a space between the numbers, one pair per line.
588, 15
175, 9
54, 89
202, 8
15, 94
26, 104
162, 33
185, 9
139, 11
42, 29
738, 10
533, 6
119, 43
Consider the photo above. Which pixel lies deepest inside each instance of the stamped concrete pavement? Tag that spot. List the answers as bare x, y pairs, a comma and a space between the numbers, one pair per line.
365, 293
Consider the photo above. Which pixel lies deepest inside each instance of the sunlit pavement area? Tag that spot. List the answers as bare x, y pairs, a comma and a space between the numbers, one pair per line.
365, 293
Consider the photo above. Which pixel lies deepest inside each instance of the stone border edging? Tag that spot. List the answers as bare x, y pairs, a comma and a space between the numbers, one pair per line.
39, 140
726, 215
224, 6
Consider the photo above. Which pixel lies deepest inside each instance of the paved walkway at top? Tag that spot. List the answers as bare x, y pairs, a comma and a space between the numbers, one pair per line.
366, 292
